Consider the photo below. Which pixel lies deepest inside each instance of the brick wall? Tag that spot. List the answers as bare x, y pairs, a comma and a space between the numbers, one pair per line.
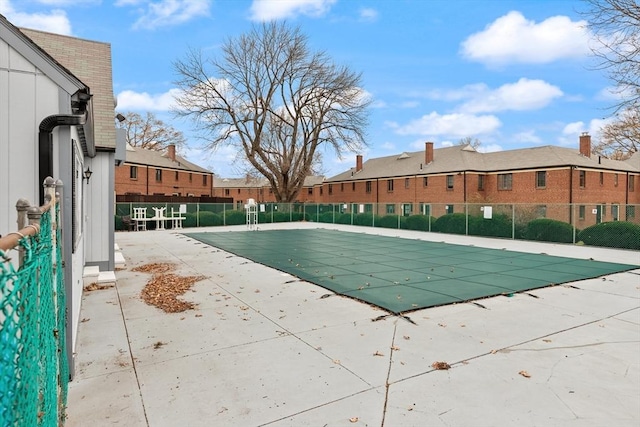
145, 183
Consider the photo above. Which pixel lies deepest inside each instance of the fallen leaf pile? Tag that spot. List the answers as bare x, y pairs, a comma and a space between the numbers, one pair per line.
96, 287
440, 366
155, 268
164, 288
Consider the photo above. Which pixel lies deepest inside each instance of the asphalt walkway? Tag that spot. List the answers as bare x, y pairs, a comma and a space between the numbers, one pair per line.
264, 348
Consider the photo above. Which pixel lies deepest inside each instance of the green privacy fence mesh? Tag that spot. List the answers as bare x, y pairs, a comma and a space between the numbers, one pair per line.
33, 360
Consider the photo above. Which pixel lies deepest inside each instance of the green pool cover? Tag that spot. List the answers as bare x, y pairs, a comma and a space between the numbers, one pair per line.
402, 275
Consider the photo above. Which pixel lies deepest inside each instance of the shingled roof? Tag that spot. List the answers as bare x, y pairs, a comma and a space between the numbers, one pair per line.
142, 156
252, 182
461, 158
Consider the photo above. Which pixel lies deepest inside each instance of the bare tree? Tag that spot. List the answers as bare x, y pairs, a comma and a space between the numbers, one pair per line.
620, 138
467, 140
276, 101
615, 25
150, 133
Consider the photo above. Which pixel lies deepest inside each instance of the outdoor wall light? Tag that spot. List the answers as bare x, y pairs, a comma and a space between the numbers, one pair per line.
87, 174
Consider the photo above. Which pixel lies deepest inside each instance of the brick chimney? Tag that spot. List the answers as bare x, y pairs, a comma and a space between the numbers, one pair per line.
358, 162
585, 144
428, 152
171, 152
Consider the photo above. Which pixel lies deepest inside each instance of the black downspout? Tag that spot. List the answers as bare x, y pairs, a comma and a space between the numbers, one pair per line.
45, 143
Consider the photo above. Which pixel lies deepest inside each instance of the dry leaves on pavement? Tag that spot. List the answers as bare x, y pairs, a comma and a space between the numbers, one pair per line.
440, 366
164, 288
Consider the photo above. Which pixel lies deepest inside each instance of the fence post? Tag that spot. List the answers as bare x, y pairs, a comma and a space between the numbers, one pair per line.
513, 222
466, 219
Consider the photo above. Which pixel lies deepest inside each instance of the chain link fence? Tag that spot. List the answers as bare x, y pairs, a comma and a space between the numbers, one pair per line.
33, 361
608, 225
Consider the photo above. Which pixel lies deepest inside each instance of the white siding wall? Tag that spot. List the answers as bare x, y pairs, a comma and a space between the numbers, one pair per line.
100, 224
26, 97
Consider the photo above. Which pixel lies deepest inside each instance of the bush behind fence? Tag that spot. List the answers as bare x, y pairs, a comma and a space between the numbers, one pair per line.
616, 226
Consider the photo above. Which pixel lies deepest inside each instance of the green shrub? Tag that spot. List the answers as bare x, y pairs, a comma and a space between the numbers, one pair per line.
343, 218
454, 223
498, 226
209, 219
235, 218
392, 221
549, 230
326, 217
366, 219
419, 222
617, 234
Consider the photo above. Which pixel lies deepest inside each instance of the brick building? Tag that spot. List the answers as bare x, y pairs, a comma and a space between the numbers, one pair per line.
445, 179
259, 189
151, 172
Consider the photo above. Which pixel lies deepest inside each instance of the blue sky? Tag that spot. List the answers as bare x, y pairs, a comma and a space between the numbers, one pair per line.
512, 74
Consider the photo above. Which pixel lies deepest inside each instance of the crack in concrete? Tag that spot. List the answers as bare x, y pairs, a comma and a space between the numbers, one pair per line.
386, 382
133, 360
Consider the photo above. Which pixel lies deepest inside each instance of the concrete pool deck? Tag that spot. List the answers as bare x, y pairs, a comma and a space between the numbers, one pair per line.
263, 348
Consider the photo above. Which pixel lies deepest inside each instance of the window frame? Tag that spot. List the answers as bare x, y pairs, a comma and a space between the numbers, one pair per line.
133, 172
505, 181
158, 175
450, 182
390, 186
541, 179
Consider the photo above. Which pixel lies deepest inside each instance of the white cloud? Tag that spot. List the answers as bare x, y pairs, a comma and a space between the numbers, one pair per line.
388, 146
64, 3
571, 131
527, 137
267, 10
170, 12
55, 21
514, 39
134, 101
523, 95
490, 148
368, 14
454, 125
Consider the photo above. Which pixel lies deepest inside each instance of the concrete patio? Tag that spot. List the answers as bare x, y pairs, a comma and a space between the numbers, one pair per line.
263, 348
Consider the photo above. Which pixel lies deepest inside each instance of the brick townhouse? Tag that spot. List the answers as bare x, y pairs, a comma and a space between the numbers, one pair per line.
151, 172
258, 189
446, 178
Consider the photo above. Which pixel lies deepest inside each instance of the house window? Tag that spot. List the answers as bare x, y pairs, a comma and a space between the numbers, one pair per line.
389, 185
448, 209
541, 179
391, 209
133, 172
226, 191
601, 178
583, 179
631, 212
238, 191
368, 208
330, 189
505, 181
603, 210
581, 211
204, 180
342, 186
449, 182
353, 186
406, 183
407, 209
158, 175
310, 191
176, 175
425, 181
190, 177
632, 183
615, 180
615, 212
425, 209
480, 182
368, 186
